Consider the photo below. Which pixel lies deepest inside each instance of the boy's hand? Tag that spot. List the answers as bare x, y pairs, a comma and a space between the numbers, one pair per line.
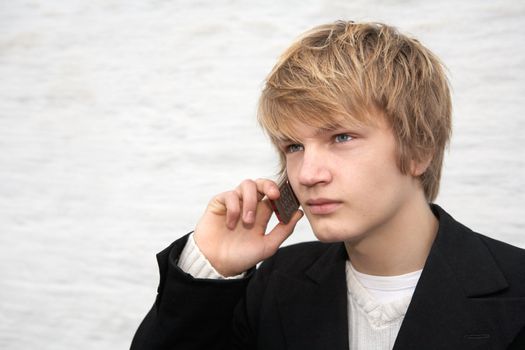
231, 233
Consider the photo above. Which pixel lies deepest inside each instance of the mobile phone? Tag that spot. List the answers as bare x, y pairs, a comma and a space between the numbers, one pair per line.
287, 204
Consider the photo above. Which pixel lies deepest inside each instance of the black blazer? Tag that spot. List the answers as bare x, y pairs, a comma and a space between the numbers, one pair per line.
471, 295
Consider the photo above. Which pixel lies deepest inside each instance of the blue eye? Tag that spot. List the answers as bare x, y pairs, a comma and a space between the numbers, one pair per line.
294, 147
343, 138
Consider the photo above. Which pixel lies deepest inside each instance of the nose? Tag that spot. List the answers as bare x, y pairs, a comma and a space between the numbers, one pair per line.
314, 168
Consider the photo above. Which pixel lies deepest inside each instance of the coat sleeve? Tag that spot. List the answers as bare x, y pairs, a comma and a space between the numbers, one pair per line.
191, 313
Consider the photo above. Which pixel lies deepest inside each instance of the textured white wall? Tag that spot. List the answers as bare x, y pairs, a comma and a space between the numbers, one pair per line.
119, 119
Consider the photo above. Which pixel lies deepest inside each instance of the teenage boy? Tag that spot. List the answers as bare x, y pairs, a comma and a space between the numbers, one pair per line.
360, 115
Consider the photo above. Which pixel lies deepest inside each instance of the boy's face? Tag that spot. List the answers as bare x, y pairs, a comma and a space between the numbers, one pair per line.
348, 182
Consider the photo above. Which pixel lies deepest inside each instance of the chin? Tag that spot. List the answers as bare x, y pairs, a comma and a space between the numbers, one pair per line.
331, 230
328, 234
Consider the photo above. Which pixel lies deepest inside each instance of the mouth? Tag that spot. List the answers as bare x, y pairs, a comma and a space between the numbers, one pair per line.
322, 206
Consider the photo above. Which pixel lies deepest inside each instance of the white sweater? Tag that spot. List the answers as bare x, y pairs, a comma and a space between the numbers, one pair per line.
376, 304
376, 307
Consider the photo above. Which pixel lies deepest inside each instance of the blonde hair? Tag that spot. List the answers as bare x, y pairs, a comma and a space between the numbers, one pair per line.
346, 70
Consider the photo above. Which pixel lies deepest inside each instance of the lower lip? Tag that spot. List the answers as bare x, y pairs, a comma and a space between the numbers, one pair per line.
323, 209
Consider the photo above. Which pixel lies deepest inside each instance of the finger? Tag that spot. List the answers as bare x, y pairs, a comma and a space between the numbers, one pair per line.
264, 187
268, 188
251, 192
233, 209
280, 233
249, 195
264, 213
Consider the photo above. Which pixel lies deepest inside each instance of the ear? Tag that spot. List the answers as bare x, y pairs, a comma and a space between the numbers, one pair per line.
418, 167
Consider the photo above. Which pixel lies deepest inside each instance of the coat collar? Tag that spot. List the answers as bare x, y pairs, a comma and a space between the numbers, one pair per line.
459, 267
467, 257
452, 300
313, 308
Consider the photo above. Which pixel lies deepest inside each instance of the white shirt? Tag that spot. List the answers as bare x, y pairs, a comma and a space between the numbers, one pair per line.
376, 307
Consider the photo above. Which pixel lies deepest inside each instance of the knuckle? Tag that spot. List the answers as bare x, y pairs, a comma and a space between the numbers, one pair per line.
231, 195
263, 182
247, 182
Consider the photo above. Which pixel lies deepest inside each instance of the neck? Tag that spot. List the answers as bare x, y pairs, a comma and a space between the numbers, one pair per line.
400, 245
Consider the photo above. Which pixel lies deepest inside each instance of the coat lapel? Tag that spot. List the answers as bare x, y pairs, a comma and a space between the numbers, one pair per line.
456, 293
461, 300
314, 308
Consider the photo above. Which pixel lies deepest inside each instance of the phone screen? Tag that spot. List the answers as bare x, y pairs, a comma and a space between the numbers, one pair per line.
287, 204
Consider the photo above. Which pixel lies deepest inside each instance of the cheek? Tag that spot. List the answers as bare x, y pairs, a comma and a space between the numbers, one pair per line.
372, 180
390, 188
291, 168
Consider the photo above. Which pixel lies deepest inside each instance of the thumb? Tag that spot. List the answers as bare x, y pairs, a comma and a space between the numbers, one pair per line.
280, 233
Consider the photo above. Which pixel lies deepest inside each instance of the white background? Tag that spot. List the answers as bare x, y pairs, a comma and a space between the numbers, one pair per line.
119, 120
